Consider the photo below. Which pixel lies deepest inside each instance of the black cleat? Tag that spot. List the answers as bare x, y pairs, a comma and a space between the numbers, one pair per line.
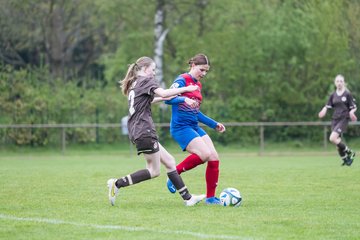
347, 161
344, 162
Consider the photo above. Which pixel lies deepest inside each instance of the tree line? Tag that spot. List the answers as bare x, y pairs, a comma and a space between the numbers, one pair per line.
60, 61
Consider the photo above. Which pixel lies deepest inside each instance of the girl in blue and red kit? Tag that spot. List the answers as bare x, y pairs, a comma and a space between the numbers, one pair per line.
188, 134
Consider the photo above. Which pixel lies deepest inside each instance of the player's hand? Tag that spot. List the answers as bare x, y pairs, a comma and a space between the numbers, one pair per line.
220, 127
322, 113
192, 103
353, 117
192, 88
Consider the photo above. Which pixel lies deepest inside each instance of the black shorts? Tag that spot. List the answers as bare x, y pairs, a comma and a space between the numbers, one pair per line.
147, 145
339, 125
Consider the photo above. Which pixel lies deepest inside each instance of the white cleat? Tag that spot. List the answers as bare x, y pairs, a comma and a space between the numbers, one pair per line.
194, 200
113, 190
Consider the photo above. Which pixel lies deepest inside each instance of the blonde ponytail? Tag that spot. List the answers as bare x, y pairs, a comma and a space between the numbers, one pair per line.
131, 74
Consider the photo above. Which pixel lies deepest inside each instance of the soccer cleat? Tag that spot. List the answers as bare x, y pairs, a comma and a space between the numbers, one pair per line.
344, 161
212, 201
170, 186
195, 199
113, 190
348, 161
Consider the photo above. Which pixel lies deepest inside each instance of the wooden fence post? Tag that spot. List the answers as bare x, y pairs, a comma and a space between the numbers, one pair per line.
262, 143
325, 137
63, 140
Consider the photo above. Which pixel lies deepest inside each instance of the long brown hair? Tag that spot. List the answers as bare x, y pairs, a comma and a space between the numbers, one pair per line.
132, 71
199, 59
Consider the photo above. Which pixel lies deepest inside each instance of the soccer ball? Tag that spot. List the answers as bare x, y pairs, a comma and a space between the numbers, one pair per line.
230, 197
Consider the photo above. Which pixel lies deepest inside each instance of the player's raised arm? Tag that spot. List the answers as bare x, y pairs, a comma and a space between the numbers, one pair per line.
174, 91
159, 99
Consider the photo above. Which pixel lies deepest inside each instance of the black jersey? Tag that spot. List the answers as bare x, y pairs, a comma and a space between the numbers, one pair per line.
141, 94
341, 104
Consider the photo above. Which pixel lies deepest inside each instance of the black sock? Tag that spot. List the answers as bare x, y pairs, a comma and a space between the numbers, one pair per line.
347, 150
341, 149
136, 177
179, 184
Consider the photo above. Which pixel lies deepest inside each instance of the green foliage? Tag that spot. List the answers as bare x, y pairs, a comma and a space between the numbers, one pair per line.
270, 60
27, 100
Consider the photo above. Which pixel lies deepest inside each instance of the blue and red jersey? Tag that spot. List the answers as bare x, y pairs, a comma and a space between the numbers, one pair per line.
182, 114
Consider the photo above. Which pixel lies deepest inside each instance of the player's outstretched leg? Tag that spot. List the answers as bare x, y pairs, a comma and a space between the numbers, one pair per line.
113, 190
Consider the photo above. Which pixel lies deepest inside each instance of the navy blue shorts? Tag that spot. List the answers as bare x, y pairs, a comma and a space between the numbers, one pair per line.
183, 136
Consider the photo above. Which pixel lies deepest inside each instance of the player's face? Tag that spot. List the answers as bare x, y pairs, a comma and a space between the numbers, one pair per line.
339, 83
151, 70
199, 71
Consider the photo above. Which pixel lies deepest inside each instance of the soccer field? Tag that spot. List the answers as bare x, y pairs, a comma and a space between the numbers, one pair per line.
286, 197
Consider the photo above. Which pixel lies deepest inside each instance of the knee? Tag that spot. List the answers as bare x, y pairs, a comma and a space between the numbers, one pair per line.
214, 156
205, 155
333, 139
154, 172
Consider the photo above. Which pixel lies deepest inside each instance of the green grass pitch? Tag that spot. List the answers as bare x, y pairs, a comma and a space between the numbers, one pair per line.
53, 196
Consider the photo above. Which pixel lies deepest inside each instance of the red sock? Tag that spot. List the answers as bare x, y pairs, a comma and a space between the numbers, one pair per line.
188, 163
212, 177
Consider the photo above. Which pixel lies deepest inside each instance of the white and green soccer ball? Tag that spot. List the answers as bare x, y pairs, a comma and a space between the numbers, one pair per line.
230, 197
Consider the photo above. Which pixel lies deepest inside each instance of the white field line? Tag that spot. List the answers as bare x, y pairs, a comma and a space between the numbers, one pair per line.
117, 227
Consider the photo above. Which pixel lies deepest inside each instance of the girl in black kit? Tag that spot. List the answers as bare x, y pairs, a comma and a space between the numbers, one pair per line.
140, 86
344, 110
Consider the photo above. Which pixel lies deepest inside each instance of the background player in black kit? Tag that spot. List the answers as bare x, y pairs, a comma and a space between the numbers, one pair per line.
140, 86
344, 109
